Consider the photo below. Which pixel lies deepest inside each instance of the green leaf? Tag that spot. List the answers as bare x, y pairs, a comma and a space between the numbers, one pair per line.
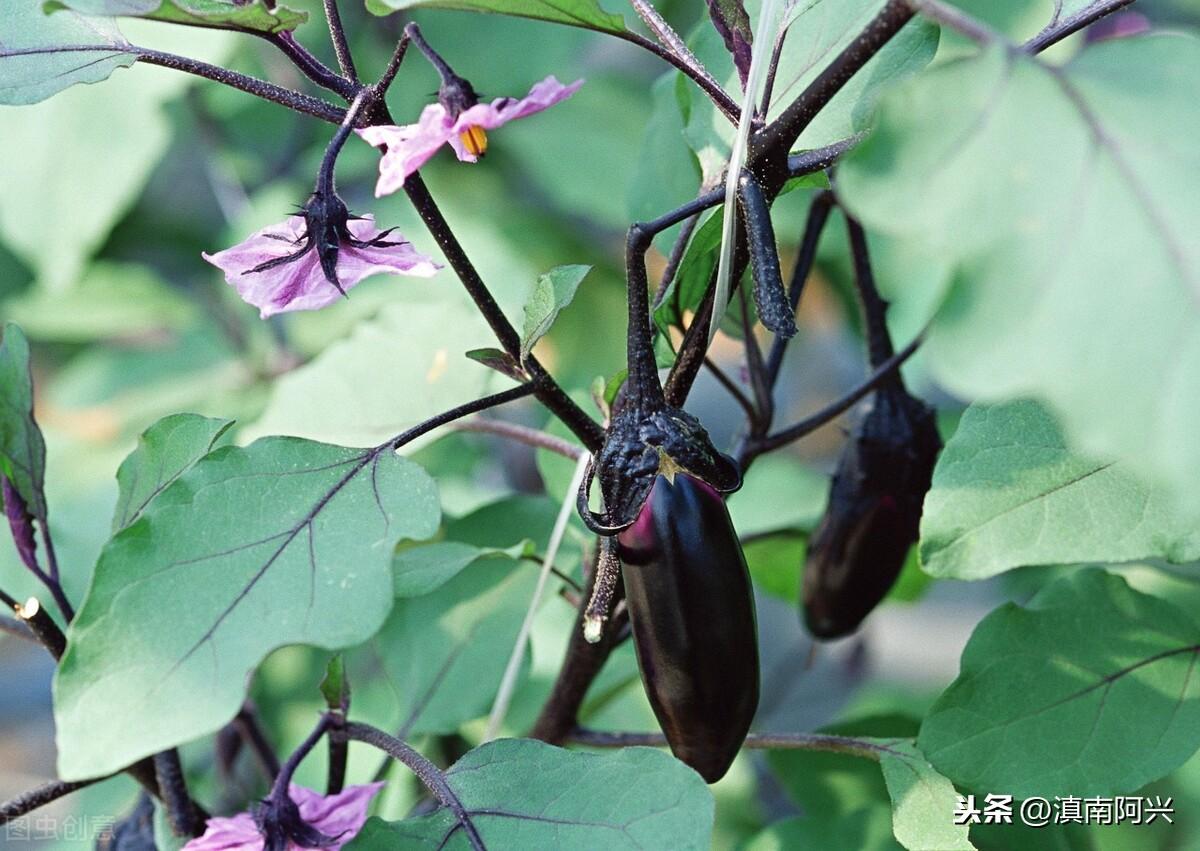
74, 183
923, 801
285, 533
421, 569
1087, 691
343, 395
575, 13
335, 687
1066, 207
42, 55
775, 563
22, 448
522, 793
552, 292
1008, 492
253, 16
443, 653
164, 452
110, 300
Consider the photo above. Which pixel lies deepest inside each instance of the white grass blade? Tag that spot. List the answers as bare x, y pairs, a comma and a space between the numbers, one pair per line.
760, 57
509, 681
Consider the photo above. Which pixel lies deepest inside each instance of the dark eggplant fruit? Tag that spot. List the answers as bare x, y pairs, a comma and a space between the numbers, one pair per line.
692, 611
874, 512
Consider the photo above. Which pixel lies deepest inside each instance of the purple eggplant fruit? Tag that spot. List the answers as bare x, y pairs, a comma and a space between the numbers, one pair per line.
874, 512
692, 612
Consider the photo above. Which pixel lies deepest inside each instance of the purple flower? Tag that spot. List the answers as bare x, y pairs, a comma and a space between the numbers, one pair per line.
287, 267
462, 126
339, 817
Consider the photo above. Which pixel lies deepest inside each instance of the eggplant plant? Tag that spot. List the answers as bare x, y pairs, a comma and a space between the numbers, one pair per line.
389, 568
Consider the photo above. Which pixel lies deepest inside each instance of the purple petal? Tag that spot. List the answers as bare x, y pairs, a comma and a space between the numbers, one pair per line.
503, 110
341, 815
238, 833
407, 148
300, 284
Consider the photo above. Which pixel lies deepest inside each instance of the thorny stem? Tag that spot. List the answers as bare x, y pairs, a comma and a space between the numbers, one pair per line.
182, 813
777, 138
439, 64
428, 773
393, 66
760, 741
718, 95
522, 434
297, 101
325, 180
310, 66
874, 308
252, 734
814, 421
41, 796
279, 789
818, 215
730, 387
1058, 30
9, 601
341, 47
43, 627
548, 392
463, 410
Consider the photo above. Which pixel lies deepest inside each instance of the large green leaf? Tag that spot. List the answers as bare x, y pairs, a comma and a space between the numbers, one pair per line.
253, 16
551, 293
575, 13
1090, 690
522, 793
923, 801
443, 653
22, 448
1008, 492
41, 55
164, 452
72, 182
347, 394
1067, 205
282, 542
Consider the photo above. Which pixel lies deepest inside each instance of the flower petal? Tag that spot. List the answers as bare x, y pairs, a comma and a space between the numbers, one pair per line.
407, 147
300, 284
341, 815
503, 110
238, 833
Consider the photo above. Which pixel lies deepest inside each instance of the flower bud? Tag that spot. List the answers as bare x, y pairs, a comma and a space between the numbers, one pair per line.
874, 513
692, 612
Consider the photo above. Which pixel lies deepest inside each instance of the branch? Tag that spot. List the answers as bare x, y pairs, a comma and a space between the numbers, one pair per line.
312, 67
43, 627
522, 434
252, 734
185, 817
755, 741
777, 138
1056, 31
814, 421
251, 85
698, 75
874, 308
341, 47
548, 392
466, 409
428, 773
45, 794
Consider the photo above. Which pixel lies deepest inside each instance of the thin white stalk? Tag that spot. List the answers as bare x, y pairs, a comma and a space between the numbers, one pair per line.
508, 683
760, 58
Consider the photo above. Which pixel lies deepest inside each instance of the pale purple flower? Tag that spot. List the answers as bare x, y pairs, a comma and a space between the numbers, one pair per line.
282, 267
407, 148
340, 816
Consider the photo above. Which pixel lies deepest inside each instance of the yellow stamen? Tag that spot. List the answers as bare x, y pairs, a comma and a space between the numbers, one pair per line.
474, 139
